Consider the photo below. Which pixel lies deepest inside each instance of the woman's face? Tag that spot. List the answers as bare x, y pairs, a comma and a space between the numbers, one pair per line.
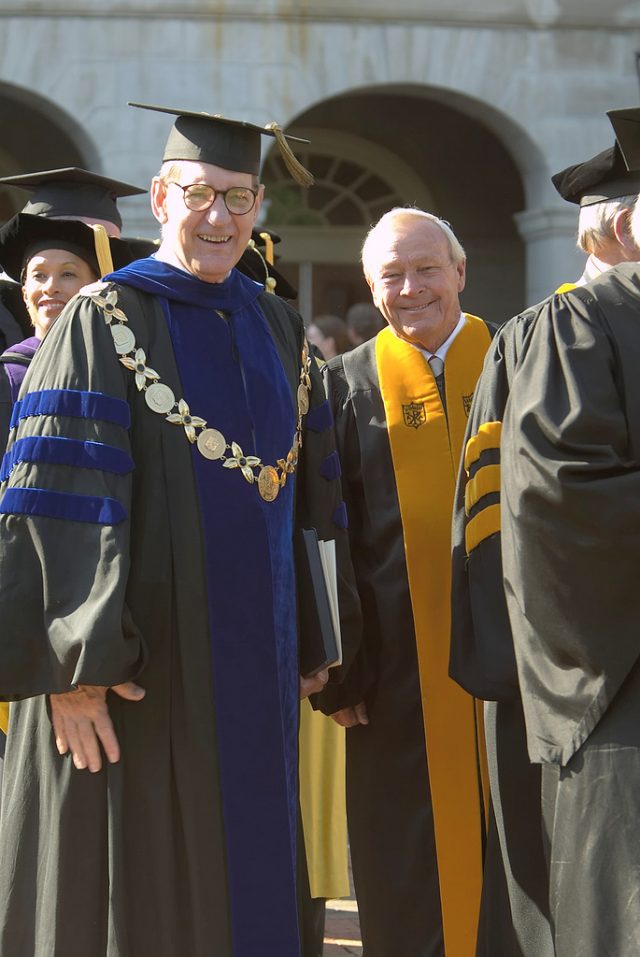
52, 278
326, 344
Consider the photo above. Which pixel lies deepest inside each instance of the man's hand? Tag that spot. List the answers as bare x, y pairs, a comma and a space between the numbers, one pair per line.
81, 723
350, 717
313, 685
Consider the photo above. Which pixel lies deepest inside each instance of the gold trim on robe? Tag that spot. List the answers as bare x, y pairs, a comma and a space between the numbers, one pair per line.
426, 446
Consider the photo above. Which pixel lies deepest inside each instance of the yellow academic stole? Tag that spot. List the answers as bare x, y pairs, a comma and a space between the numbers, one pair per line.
425, 447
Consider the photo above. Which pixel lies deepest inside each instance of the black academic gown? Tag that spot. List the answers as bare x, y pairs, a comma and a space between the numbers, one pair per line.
390, 814
388, 802
131, 860
483, 662
570, 538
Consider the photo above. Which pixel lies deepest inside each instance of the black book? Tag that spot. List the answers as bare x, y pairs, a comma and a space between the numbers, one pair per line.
320, 643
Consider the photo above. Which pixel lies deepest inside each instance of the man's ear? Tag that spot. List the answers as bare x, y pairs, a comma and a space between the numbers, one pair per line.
622, 231
372, 286
158, 196
258, 202
461, 269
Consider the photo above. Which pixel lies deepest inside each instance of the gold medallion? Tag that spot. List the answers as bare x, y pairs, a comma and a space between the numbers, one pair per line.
268, 483
211, 444
303, 400
160, 398
123, 339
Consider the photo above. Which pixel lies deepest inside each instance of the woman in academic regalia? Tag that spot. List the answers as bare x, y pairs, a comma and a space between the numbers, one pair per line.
53, 260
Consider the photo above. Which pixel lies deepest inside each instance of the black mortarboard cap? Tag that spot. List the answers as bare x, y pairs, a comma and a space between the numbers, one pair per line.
73, 192
220, 141
598, 179
25, 235
256, 262
626, 126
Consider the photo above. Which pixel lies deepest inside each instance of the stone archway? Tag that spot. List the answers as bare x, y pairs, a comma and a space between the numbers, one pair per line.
41, 136
356, 181
426, 152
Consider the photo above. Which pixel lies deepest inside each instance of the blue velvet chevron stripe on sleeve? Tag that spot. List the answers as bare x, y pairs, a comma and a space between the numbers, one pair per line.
64, 505
57, 450
79, 475
74, 403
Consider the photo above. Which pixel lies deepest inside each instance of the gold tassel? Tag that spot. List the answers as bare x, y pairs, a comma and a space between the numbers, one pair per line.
269, 282
295, 167
103, 250
268, 248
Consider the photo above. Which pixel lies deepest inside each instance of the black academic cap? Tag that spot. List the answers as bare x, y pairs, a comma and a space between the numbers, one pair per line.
220, 141
256, 262
141, 247
598, 179
626, 126
25, 235
73, 192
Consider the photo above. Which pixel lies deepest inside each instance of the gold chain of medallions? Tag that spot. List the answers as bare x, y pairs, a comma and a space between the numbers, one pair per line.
211, 443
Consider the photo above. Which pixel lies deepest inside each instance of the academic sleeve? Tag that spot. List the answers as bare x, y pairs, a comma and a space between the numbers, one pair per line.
358, 677
482, 659
570, 529
320, 505
6, 406
64, 517
319, 497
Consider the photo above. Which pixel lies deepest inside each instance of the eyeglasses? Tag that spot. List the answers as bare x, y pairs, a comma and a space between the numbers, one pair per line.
198, 197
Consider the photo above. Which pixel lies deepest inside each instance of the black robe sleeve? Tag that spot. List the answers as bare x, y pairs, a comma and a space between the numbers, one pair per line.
64, 518
482, 659
6, 406
570, 528
319, 497
359, 677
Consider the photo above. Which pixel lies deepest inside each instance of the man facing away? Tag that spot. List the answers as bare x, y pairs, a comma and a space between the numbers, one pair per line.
570, 477
482, 658
147, 587
400, 403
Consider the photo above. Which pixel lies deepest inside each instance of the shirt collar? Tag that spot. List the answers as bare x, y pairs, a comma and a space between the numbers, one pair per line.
442, 350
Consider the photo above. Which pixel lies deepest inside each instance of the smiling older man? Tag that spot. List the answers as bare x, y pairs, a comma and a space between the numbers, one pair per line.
146, 534
401, 403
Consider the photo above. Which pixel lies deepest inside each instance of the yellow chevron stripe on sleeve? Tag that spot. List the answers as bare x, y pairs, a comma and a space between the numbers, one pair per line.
4, 716
481, 526
487, 437
485, 481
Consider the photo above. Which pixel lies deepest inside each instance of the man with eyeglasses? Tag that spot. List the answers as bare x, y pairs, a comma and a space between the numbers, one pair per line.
174, 437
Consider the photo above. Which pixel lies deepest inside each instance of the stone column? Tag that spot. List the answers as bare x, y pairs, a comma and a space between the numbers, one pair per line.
552, 257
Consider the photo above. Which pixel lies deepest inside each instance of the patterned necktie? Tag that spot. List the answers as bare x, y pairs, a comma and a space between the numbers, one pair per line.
437, 367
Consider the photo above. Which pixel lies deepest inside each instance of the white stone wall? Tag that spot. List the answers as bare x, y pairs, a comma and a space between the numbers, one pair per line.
539, 73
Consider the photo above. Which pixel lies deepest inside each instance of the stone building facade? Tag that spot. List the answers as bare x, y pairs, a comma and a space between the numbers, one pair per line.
464, 108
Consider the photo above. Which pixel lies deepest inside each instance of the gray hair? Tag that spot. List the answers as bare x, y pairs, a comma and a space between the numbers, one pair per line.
172, 169
595, 222
169, 171
400, 215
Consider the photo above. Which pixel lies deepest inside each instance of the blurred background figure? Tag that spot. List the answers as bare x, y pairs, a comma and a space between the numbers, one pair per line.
329, 334
10, 330
363, 322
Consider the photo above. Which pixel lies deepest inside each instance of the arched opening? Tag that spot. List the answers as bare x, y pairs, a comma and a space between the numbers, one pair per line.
375, 148
39, 136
